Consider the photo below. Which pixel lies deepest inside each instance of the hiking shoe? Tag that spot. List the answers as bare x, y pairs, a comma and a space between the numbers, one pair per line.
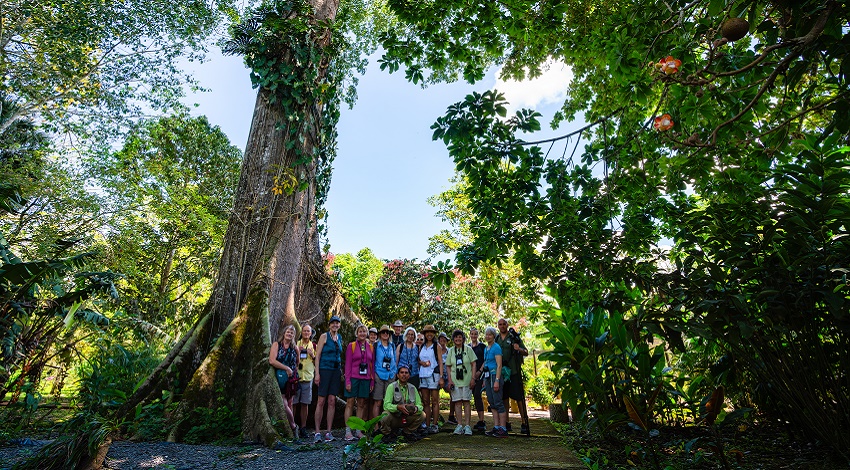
480, 426
492, 432
349, 436
524, 429
459, 429
303, 434
452, 420
467, 430
329, 437
501, 433
317, 438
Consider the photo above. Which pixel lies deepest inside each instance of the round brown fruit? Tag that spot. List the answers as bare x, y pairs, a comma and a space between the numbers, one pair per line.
735, 28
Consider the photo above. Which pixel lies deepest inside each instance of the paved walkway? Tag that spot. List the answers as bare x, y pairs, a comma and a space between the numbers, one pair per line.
544, 449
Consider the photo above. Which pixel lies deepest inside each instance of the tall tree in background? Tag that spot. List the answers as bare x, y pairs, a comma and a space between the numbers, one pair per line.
704, 118
357, 276
169, 190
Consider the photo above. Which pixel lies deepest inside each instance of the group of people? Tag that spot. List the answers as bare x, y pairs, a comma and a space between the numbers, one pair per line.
400, 373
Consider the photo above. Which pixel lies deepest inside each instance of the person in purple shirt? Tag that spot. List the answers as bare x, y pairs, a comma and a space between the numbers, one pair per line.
359, 376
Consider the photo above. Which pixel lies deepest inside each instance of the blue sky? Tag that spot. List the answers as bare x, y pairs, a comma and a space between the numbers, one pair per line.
387, 166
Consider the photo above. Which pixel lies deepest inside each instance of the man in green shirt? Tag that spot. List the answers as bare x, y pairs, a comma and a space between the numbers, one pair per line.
513, 355
461, 362
404, 407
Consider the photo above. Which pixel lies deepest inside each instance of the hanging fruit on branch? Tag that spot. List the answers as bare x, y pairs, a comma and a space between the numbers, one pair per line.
734, 29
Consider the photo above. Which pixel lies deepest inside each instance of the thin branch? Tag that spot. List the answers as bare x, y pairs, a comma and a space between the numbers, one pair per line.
577, 131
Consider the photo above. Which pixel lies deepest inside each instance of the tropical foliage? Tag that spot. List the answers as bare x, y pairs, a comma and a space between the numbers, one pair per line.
714, 150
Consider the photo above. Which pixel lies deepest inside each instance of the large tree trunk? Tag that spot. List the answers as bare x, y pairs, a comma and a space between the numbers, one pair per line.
271, 274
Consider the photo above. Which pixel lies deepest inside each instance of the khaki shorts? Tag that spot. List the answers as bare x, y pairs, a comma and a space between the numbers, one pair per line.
380, 388
304, 394
461, 394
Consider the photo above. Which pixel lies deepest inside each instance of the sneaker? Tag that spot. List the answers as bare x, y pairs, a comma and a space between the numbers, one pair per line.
303, 434
349, 436
317, 438
329, 437
524, 429
459, 430
480, 426
358, 434
452, 420
492, 432
467, 430
508, 427
501, 433
435, 429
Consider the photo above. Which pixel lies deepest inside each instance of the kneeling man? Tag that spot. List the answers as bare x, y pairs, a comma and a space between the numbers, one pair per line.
404, 406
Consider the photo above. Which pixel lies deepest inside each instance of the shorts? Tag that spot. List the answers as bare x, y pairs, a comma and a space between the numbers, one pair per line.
461, 394
476, 392
329, 382
359, 388
380, 388
494, 397
304, 394
515, 388
431, 382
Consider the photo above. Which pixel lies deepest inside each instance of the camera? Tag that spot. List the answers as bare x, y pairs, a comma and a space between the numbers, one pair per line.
459, 374
513, 335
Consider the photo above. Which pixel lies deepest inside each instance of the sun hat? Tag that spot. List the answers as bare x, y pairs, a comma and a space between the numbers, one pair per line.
385, 328
443, 335
398, 323
429, 328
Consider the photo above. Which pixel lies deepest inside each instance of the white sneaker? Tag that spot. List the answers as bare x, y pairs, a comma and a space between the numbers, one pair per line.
317, 437
467, 430
459, 430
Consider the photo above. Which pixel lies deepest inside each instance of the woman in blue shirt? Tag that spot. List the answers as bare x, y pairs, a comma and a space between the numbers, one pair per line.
407, 355
492, 377
386, 367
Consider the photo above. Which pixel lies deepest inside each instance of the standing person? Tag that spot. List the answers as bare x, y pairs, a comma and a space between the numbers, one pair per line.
397, 337
461, 366
404, 407
443, 339
513, 355
386, 367
407, 354
327, 364
420, 340
306, 373
359, 376
283, 355
373, 335
478, 348
430, 378
492, 377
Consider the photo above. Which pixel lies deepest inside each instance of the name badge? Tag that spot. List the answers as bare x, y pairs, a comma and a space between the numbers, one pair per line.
459, 362
487, 375
304, 355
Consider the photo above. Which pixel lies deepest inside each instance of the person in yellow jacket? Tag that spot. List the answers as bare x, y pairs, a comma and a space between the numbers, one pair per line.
403, 406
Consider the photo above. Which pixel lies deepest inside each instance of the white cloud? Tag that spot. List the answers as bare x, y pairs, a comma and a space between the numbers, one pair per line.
549, 87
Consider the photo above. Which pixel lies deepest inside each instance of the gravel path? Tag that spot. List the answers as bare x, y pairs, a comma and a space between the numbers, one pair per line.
166, 455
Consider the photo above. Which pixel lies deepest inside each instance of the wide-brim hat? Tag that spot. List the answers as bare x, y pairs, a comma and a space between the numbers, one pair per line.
398, 323
335, 318
429, 328
385, 328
